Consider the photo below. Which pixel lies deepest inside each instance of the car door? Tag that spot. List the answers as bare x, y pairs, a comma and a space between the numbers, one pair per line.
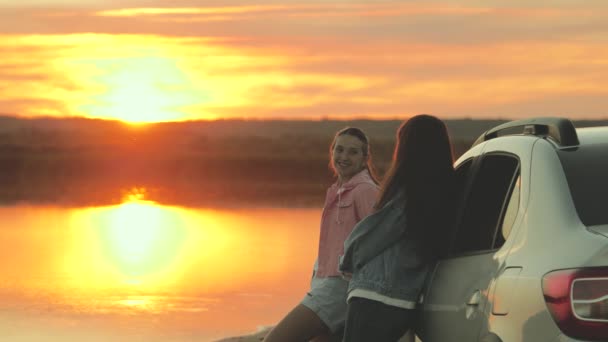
453, 303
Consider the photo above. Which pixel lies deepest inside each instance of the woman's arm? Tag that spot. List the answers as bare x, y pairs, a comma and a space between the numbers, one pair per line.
373, 236
365, 197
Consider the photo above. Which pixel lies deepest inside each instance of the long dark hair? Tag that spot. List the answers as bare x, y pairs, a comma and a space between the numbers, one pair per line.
422, 171
366, 150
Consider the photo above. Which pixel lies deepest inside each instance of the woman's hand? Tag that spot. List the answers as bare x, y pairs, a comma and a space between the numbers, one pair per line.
347, 276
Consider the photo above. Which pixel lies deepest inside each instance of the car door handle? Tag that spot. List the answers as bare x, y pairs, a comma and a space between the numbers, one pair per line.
475, 299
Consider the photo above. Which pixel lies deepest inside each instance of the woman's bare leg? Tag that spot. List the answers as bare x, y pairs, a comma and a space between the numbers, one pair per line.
301, 324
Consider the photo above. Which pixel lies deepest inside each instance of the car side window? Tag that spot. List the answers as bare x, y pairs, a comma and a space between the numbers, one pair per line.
484, 203
462, 175
510, 214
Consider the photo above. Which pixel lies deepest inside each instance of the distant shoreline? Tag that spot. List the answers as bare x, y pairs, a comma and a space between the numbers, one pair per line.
85, 162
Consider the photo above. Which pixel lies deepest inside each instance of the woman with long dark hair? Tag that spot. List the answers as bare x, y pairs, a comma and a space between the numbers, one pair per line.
389, 254
320, 315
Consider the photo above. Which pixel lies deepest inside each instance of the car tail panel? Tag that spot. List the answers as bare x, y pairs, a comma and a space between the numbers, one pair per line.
578, 301
590, 299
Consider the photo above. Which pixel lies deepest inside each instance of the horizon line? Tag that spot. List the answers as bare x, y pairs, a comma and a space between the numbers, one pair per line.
280, 119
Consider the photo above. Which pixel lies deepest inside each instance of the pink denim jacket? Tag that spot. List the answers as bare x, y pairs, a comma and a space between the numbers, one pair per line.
344, 207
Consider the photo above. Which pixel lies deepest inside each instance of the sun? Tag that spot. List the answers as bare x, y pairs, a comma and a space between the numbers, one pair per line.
142, 90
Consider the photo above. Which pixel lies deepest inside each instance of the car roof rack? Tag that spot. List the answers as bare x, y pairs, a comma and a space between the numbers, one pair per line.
560, 130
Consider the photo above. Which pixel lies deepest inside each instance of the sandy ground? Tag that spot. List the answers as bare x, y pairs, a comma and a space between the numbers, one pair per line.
259, 336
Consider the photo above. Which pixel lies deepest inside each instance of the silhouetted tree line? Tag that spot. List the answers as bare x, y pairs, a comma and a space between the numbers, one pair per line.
79, 162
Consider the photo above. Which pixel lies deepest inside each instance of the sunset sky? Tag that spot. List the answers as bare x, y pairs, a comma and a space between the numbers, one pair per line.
166, 60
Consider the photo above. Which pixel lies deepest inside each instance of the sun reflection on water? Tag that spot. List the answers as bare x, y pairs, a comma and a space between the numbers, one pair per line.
198, 269
137, 243
141, 245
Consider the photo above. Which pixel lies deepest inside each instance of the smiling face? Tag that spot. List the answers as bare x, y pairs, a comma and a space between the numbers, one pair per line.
347, 157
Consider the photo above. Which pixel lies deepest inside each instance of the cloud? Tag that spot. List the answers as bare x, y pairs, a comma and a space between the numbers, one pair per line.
446, 21
109, 75
300, 59
159, 11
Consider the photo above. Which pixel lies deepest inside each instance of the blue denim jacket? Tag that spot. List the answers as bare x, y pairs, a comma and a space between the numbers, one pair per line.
383, 257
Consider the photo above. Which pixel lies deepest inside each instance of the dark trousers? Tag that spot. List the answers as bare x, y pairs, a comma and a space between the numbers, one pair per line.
368, 320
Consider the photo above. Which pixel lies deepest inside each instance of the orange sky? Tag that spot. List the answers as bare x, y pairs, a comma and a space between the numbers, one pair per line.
162, 60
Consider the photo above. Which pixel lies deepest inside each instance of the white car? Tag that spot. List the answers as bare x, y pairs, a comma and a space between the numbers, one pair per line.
529, 254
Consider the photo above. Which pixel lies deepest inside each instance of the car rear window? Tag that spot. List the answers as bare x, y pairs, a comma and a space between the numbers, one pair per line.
587, 172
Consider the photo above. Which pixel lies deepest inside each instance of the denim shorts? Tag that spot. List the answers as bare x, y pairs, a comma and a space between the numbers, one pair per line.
327, 298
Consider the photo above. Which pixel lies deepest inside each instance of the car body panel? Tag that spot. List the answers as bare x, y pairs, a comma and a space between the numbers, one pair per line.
550, 237
458, 308
592, 135
473, 275
602, 229
546, 235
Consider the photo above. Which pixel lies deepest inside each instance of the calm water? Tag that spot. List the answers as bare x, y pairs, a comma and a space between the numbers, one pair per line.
141, 271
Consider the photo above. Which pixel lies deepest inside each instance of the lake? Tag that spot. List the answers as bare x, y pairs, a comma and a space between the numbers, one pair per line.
140, 271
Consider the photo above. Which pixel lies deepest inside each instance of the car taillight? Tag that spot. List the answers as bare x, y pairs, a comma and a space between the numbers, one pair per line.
578, 301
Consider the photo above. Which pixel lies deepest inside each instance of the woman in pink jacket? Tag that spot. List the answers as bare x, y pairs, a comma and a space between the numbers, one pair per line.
320, 315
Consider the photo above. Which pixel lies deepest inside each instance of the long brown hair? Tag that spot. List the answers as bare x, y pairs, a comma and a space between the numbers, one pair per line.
422, 171
366, 150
